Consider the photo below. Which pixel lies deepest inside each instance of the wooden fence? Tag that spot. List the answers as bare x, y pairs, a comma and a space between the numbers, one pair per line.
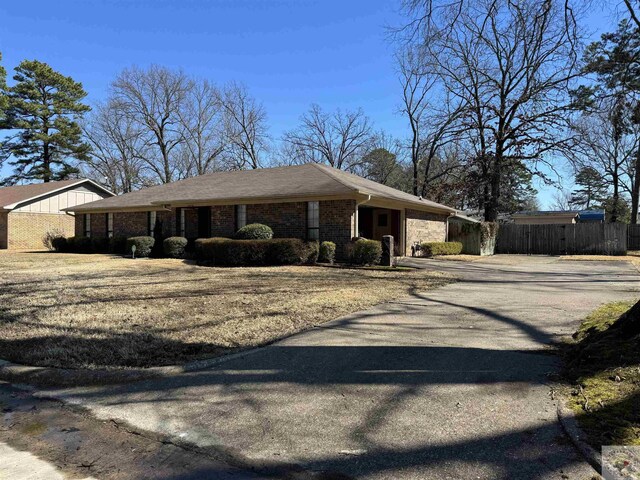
633, 237
569, 239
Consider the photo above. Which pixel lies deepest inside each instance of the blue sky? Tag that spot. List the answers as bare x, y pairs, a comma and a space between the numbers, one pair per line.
289, 53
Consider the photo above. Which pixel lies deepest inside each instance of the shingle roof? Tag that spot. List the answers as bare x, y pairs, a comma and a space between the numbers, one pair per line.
545, 213
299, 181
10, 196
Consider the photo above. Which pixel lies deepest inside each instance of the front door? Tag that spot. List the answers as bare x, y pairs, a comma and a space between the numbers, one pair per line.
204, 222
381, 223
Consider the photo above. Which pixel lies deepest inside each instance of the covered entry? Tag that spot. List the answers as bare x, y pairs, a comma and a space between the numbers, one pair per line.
375, 222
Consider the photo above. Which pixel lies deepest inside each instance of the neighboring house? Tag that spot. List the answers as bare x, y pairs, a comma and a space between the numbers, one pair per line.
591, 216
305, 201
28, 212
545, 217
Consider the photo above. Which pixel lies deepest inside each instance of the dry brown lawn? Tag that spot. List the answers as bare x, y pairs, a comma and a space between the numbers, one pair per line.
96, 311
632, 257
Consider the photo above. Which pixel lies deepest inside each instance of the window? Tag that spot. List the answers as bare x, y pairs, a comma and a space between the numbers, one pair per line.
151, 223
383, 219
109, 225
241, 216
313, 220
181, 223
87, 224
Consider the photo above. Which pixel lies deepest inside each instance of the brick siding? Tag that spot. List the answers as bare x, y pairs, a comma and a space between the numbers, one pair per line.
424, 227
26, 230
287, 220
337, 223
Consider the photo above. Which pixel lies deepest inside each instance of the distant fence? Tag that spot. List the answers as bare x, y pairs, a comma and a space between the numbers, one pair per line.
633, 237
569, 239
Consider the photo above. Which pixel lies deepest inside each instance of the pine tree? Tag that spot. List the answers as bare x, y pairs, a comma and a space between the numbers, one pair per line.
592, 191
3, 96
43, 107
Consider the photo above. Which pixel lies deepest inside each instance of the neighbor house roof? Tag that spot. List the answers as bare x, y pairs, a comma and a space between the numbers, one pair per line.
244, 186
14, 195
547, 213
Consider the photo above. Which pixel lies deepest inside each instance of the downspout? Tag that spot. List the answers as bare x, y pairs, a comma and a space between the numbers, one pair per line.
355, 217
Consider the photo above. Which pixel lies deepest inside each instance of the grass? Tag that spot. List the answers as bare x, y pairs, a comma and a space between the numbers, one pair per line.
97, 311
632, 257
603, 367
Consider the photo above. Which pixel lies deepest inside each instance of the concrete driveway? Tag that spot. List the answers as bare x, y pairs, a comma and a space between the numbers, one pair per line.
451, 383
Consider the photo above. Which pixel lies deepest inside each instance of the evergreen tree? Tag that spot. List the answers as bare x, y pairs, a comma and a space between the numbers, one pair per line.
3, 93
592, 189
44, 107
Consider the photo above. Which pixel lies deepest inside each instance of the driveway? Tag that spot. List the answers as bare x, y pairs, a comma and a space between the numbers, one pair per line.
453, 383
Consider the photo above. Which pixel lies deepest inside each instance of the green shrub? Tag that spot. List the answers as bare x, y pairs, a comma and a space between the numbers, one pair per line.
174, 247
327, 253
312, 252
59, 244
254, 231
365, 252
118, 245
79, 245
100, 245
143, 245
236, 253
430, 249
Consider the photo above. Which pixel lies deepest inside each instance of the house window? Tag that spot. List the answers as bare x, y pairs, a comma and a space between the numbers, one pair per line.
241, 216
181, 222
109, 225
151, 223
87, 224
313, 220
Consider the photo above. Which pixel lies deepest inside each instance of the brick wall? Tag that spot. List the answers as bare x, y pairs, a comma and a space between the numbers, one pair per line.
336, 223
3, 229
287, 220
25, 230
424, 227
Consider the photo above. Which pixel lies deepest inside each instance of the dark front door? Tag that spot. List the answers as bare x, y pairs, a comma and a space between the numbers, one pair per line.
204, 222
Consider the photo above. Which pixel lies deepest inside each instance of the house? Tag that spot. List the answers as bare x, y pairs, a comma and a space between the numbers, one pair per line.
305, 201
545, 217
28, 212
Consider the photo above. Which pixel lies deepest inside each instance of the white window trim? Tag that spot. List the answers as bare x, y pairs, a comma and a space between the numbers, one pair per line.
182, 222
241, 216
313, 220
109, 225
87, 225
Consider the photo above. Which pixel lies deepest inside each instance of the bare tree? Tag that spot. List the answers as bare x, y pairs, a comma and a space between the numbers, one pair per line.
608, 140
509, 65
337, 139
152, 99
245, 123
203, 130
561, 200
118, 146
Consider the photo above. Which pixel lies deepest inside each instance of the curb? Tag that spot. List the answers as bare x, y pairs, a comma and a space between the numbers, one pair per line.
68, 377
577, 436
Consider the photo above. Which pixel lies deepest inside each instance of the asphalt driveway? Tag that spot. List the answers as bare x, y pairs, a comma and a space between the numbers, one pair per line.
453, 383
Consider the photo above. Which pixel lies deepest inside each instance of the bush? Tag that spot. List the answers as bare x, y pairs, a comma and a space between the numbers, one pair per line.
100, 245
50, 238
59, 244
143, 245
118, 245
254, 231
236, 253
79, 245
365, 252
327, 253
430, 249
312, 252
174, 247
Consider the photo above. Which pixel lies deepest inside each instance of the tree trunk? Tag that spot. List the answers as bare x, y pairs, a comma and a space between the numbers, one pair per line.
491, 210
616, 198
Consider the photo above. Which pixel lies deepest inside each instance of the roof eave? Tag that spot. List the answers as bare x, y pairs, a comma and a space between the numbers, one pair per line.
79, 182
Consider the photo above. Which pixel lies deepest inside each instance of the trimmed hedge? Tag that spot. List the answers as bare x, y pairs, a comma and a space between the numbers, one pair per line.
143, 244
431, 249
327, 253
174, 247
59, 244
254, 231
240, 253
365, 252
79, 245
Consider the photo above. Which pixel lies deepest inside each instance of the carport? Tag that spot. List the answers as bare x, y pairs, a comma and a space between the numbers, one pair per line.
375, 222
